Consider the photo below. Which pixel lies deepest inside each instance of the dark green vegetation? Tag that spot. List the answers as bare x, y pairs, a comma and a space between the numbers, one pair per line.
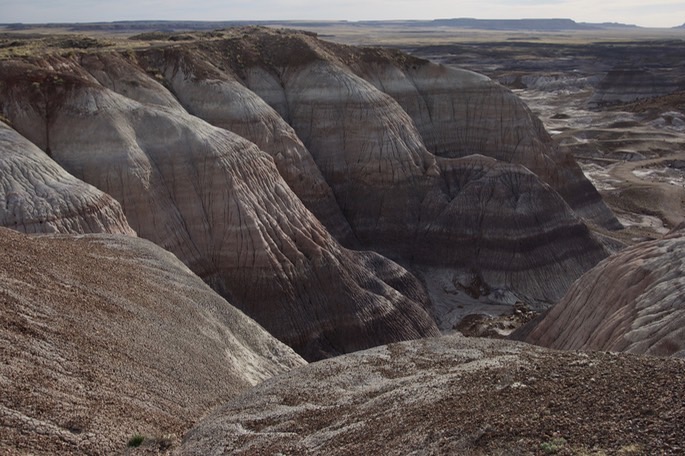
136, 440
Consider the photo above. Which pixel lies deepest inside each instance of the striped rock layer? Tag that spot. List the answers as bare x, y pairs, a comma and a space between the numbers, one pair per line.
259, 158
630, 302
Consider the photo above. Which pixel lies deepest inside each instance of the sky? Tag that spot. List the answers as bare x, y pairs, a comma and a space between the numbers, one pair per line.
655, 13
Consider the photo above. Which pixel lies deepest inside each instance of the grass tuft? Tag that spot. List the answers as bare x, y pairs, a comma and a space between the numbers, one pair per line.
136, 441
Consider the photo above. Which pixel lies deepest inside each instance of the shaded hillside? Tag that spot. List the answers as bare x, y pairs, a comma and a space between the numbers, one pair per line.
217, 202
103, 337
454, 395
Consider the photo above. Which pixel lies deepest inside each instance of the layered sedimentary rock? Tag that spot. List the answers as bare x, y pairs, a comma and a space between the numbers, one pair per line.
218, 203
630, 302
122, 74
459, 113
514, 232
454, 395
103, 337
625, 85
207, 146
38, 196
394, 191
222, 100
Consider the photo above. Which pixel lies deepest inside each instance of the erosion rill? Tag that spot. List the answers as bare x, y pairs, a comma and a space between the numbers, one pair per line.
242, 152
41, 197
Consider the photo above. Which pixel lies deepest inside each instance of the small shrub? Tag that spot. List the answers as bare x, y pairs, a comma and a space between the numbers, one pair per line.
80, 42
136, 441
553, 446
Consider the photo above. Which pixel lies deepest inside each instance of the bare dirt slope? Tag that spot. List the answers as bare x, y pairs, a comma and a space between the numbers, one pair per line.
104, 337
454, 395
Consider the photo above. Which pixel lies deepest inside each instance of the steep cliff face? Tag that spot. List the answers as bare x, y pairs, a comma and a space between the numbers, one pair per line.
630, 302
218, 203
41, 197
103, 337
212, 147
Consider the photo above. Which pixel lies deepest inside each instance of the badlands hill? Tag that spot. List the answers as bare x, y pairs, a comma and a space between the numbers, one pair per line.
40, 197
261, 157
344, 198
103, 337
631, 302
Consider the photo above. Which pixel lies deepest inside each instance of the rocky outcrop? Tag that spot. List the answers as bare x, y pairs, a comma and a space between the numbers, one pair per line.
103, 337
630, 302
454, 395
40, 197
218, 202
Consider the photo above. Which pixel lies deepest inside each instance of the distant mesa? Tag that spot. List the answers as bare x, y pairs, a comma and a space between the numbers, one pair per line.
626, 84
514, 24
551, 24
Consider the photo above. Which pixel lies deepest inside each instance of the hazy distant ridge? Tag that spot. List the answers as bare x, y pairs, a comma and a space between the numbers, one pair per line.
515, 24
482, 24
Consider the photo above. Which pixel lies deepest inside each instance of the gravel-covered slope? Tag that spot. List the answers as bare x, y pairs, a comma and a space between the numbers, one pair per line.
455, 395
103, 337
